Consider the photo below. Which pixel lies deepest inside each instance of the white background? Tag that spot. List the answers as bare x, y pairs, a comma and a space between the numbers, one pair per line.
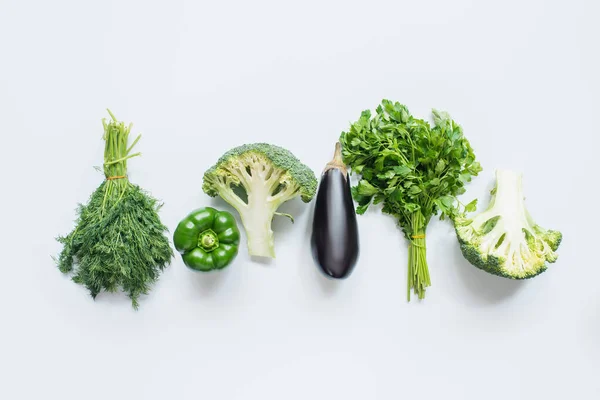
198, 78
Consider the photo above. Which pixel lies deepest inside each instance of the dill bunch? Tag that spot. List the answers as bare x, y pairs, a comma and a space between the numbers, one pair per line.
119, 241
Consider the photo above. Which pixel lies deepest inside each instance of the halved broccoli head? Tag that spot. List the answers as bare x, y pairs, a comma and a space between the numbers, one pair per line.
504, 240
269, 176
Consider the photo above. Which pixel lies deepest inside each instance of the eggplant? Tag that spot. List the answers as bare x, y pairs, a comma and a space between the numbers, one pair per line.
334, 238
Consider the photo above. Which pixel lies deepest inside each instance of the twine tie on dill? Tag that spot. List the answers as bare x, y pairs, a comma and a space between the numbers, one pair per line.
112, 178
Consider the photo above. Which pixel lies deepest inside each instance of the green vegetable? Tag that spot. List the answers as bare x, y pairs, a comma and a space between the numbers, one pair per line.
256, 179
207, 239
504, 240
118, 241
413, 168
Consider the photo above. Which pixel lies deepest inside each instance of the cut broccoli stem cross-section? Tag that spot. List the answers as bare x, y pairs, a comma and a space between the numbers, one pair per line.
256, 179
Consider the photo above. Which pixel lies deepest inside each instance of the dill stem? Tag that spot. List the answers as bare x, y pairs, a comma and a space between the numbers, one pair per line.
116, 154
122, 159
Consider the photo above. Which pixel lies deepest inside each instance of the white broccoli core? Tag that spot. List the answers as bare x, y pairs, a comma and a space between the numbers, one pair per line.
267, 187
257, 217
507, 240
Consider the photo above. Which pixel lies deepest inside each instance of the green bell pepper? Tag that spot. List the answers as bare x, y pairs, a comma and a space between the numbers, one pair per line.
207, 239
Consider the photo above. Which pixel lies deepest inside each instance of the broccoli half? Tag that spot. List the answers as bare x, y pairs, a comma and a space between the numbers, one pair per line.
269, 175
504, 240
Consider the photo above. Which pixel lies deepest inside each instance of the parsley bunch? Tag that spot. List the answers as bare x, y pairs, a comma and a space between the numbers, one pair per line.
413, 168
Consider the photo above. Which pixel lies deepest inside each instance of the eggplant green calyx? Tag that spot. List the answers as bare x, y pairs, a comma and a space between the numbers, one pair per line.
207, 239
337, 162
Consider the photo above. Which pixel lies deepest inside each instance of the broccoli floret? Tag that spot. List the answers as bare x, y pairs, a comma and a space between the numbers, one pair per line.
504, 240
269, 176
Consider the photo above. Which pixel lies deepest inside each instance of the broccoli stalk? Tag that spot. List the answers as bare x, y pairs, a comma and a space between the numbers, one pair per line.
504, 239
268, 176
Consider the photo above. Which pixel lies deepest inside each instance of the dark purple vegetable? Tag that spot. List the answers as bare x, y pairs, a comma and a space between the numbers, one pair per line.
335, 232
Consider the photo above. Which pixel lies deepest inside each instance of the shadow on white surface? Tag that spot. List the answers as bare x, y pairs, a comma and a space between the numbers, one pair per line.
116, 299
329, 286
207, 284
491, 288
266, 261
587, 324
220, 204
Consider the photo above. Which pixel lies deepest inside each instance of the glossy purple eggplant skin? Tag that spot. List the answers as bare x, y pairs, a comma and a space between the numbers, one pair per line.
335, 232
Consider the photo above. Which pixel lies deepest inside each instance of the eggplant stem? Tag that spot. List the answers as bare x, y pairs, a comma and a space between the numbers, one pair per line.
337, 161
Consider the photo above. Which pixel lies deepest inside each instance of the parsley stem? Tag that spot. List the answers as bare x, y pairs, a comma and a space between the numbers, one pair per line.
418, 270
